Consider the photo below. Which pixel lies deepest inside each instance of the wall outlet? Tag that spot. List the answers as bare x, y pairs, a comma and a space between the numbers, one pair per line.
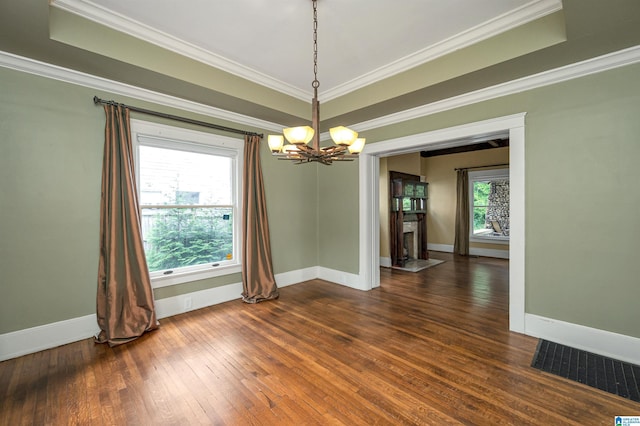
188, 303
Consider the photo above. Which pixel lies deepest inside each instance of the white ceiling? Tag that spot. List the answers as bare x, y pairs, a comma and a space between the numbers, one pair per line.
270, 42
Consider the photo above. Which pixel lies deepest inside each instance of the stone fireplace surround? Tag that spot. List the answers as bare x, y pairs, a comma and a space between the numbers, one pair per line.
410, 233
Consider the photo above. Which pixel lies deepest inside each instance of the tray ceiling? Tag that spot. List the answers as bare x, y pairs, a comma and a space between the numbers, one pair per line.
360, 42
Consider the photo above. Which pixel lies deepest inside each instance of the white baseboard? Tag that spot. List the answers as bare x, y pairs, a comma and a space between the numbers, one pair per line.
297, 276
23, 342
182, 303
474, 251
446, 248
500, 254
35, 339
385, 262
343, 278
606, 343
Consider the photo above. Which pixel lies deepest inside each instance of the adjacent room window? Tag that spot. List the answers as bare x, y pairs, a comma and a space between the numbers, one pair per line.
188, 184
489, 201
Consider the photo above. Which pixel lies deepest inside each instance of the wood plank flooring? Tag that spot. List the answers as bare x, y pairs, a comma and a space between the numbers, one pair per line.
426, 348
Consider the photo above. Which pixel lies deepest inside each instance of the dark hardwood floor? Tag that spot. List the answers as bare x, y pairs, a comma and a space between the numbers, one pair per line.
429, 348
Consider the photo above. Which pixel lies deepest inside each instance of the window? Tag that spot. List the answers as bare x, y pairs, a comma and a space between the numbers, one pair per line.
489, 202
188, 185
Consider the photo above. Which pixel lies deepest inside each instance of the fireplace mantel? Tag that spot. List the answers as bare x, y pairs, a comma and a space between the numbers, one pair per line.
408, 222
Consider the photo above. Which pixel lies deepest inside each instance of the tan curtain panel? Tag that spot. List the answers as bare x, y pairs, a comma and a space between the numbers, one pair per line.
258, 282
461, 244
125, 307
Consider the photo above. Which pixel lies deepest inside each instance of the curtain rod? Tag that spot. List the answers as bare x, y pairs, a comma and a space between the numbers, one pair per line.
97, 100
481, 167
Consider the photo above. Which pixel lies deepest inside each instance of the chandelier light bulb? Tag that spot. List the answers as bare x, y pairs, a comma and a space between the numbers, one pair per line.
357, 146
275, 142
298, 135
342, 135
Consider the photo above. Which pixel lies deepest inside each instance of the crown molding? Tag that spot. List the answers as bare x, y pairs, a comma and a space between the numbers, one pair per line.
126, 25
606, 62
595, 65
31, 66
96, 13
500, 24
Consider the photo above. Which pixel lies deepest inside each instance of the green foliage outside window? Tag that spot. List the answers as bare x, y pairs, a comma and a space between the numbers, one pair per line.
481, 192
186, 237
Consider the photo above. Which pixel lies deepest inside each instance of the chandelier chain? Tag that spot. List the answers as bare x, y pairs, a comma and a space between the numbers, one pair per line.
347, 144
315, 84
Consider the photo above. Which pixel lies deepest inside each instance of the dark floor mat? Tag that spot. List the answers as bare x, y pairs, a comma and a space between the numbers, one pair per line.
609, 375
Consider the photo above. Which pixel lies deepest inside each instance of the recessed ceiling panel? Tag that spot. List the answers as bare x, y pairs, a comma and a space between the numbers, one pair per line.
356, 38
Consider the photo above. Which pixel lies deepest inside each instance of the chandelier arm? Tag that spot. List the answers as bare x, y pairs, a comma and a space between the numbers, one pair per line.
333, 149
305, 148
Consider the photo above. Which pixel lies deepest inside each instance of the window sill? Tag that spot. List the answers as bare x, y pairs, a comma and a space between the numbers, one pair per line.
189, 276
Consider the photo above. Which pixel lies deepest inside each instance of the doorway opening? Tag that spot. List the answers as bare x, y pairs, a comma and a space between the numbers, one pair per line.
510, 126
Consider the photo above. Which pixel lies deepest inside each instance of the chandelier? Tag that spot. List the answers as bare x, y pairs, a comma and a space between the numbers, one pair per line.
347, 144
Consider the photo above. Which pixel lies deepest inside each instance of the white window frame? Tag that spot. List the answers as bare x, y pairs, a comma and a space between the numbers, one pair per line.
483, 176
161, 135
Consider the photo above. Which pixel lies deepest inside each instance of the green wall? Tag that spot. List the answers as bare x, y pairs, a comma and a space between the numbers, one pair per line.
582, 170
50, 161
581, 201
338, 209
582, 230
51, 142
